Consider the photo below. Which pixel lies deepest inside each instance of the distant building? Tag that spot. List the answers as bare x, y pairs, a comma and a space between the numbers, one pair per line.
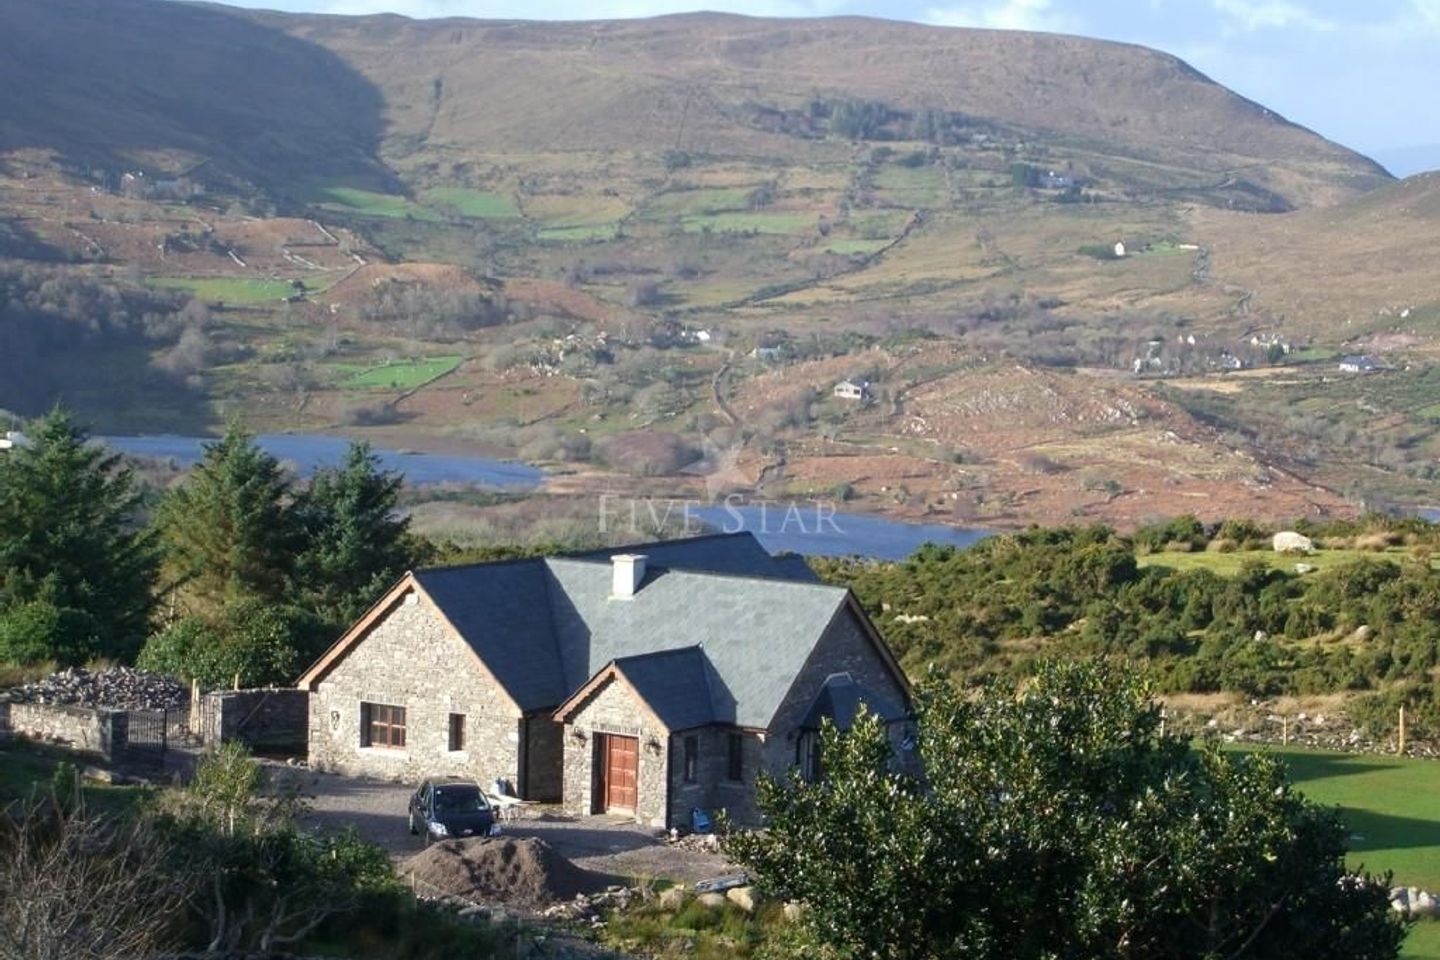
770, 354
1358, 363
850, 390
13, 438
1057, 181
1120, 249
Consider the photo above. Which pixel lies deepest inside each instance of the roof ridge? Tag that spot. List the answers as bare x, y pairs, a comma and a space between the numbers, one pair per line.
587, 555
690, 571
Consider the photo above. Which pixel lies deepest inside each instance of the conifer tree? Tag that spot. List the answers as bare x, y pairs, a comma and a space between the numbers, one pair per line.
76, 570
230, 531
356, 541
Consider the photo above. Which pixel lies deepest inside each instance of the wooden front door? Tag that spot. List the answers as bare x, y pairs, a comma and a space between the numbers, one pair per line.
620, 775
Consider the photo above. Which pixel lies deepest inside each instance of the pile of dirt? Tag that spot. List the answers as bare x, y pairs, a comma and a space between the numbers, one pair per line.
518, 872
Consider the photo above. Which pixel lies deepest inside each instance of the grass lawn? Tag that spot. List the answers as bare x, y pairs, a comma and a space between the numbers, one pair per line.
1389, 804
479, 204
1229, 564
693, 202
367, 203
26, 768
400, 375
233, 289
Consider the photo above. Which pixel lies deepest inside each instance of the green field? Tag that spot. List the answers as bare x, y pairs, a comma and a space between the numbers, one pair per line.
1229, 564
1392, 807
477, 204
579, 234
367, 203
847, 246
399, 375
233, 289
775, 223
694, 202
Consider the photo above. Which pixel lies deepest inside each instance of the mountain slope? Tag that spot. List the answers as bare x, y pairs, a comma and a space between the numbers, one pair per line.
270, 96
687, 82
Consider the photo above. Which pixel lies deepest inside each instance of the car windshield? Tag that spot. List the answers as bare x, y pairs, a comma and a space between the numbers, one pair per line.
459, 799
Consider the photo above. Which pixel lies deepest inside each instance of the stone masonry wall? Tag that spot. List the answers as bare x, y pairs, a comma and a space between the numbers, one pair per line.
84, 729
613, 708
263, 719
713, 790
844, 648
411, 659
545, 759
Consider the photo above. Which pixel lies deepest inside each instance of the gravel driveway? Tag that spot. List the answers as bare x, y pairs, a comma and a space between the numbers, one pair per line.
620, 848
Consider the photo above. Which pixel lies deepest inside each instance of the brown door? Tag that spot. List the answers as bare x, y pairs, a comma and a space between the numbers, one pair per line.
621, 773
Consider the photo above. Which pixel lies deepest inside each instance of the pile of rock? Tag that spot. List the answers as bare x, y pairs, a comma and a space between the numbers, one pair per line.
119, 687
590, 908
707, 842
1414, 902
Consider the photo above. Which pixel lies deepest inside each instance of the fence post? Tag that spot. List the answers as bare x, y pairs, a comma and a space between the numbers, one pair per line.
1285, 730
1402, 730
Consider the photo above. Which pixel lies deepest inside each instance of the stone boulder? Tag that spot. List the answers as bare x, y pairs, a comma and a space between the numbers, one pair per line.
672, 898
1288, 541
711, 901
742, 897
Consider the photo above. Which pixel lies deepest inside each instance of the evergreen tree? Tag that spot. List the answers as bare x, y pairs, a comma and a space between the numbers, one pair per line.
356, 542
230, 531
72, 554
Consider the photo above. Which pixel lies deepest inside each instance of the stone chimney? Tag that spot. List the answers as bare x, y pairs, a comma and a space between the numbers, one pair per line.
628, 569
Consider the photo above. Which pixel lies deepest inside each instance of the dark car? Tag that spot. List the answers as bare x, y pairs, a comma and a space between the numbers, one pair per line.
447, 809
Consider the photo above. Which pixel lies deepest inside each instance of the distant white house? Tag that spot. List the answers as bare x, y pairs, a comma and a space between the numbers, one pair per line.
1358, 363
850, 390
13, 438
1120, 249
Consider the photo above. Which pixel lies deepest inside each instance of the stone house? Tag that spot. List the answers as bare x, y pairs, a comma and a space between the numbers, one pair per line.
646, 683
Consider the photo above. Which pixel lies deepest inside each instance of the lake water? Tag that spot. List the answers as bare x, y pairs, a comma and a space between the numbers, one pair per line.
307, 453
799, 528
817, 531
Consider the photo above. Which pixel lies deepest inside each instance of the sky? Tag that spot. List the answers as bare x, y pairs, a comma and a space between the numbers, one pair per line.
1361, 72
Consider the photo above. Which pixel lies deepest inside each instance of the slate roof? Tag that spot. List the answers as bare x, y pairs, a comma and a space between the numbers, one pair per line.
840, 698
546, 626
678, 685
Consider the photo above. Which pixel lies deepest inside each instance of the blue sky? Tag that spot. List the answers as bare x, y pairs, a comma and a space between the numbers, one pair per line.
1362, 72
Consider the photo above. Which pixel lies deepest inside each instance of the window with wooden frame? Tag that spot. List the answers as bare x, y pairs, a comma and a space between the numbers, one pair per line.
382, 725
735, 768
692, 758
457, 732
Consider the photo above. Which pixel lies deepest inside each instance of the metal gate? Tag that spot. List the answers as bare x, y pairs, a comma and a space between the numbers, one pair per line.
147, 737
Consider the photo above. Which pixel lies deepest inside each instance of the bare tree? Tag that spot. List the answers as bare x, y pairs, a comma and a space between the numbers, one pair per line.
74, 886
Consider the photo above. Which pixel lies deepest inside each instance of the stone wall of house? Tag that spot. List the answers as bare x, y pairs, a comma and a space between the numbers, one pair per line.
614, 709
268, 720
83, 729
845, 648
712, 790
411, 659
544, 759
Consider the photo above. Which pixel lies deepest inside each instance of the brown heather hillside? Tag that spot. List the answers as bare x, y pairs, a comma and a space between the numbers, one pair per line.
694, 226
691, 82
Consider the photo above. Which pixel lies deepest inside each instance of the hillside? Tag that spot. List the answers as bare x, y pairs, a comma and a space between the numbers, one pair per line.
547, 240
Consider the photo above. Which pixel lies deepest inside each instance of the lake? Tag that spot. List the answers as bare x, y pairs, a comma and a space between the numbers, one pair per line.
804, 528
307, 453
813, 530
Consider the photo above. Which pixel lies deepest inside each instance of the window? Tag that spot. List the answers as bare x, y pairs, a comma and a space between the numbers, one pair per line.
382, 725
737, 757
457, 731
807, 756
692, 758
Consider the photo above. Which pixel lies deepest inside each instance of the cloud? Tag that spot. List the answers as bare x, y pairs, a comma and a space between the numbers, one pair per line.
1250, 16
1006, 15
